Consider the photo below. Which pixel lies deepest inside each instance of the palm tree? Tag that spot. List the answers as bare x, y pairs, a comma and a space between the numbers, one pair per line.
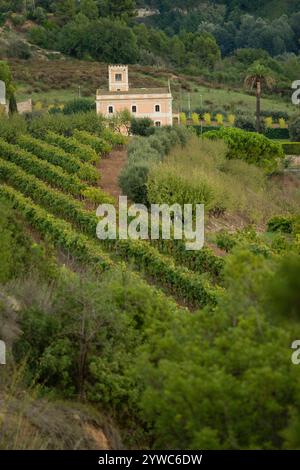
258, 76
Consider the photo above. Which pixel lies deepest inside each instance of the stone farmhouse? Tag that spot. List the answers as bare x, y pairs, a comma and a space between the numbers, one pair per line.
155, 103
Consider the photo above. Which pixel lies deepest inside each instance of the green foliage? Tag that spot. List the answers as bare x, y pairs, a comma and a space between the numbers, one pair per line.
245, 122
45, 171
65, 124
98, 144
282, 223
291, 148
79, 106
250, 147
14, 247
69, 144
142, 153
59, 232
277, 133
70, 163
11, 127
294, 129
142, 126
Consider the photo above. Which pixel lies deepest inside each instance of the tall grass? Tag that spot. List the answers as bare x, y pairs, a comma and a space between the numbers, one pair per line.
200, 173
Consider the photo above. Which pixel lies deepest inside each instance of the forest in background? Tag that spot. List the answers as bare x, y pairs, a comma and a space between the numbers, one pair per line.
213, 39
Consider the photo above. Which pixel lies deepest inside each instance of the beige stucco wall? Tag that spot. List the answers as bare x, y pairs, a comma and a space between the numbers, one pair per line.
145, 104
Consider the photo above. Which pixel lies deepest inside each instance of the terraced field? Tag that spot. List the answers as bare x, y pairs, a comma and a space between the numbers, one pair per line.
54, 184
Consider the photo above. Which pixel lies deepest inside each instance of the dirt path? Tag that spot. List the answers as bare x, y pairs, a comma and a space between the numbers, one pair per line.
110, 168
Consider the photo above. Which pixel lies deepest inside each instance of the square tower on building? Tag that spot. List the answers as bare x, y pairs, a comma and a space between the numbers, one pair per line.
154, 103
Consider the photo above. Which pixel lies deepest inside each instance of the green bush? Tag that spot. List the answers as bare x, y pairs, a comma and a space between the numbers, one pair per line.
294, 128
142, 153
245, 122
133, 181
282, 223
114, 138
79, 106
11, 127
142, 126
291, 148
251, 147
65, 124
277, 133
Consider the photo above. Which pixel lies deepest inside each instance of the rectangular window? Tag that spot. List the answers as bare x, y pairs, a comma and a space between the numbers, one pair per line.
133, 109
157, 123
118, 77
157, 108
110, 109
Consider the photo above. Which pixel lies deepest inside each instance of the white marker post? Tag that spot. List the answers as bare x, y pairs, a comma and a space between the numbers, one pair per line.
2, 93
2, 353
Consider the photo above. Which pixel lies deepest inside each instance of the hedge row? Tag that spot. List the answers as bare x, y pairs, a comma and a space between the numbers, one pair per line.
59, 157
201, 261
53, 175
270, 133
53, 200
277, 133
291, 148
99, 145
188, 285
59, 232
69, 144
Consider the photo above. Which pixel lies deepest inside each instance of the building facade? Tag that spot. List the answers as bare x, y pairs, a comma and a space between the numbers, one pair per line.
155, 103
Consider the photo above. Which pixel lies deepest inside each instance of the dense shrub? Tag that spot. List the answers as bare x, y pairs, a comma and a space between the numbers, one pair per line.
282, 223
11, 127
291, 148
294, 128
277, 133
65, 124
245, 122
133, 181
142, 126
79, 106
142, 153
251, 147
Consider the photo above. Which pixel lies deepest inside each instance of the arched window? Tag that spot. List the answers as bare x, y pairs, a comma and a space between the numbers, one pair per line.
134, 108
157, 108
157, 123
110, 109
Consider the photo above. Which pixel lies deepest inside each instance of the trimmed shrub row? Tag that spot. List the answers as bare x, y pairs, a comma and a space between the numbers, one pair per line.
277, 133
59, 157
59, 232
53, 200
84, 152
190, 286
201, 261
99, 145
291, 148
53, 175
